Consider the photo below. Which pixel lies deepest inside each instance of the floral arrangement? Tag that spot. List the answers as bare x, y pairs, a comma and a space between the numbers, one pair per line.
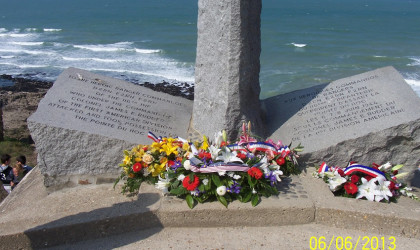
204, 171
375, 183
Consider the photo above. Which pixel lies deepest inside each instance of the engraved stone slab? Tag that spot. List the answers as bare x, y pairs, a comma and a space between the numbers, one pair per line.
85, 121
369, 117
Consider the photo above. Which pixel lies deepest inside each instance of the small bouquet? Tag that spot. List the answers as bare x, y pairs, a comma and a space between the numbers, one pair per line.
207, 171
375, 183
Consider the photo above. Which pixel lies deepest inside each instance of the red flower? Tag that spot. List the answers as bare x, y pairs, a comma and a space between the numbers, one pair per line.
340, 172
354, 179
190, 185
375, 166
204, 154
255, 172
137, 167
171, 163
223, 144
395, 172
392, 186
350, 188
280, 161
242, 156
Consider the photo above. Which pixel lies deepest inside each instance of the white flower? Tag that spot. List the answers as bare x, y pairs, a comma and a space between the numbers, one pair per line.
236, 177
228, 156
367, 189
205, 181
335, 182
181, 177
218, 138
383, 191
221, 173
277, 173
187, 165
254, 191
385, 166
221, 190
163, 184
214, 151
145, 172
231, 174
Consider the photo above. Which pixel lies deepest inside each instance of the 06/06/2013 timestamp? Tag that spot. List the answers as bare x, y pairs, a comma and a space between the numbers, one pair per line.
350, 243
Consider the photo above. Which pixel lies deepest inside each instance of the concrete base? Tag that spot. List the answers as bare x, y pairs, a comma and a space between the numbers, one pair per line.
32, 218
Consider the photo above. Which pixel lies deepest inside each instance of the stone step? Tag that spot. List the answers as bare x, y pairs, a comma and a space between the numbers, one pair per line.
30, 217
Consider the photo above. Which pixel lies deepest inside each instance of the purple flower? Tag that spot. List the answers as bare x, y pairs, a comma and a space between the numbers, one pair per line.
176, 165
234, 188
272, 178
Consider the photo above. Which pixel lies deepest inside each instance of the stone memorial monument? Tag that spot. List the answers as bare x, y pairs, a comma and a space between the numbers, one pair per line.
371, 117
227, 66
86, 121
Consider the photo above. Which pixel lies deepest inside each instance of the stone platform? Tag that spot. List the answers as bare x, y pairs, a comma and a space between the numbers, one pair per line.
32, 218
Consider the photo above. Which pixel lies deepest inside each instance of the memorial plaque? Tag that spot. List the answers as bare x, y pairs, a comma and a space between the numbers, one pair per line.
81, 100
85, 121
359, 109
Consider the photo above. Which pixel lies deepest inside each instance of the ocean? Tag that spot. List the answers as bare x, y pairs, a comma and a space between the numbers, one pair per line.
304, 42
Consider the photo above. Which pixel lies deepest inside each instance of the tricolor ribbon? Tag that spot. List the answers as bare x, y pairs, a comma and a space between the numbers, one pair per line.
375, 173
217, 167
323, 168
152, 136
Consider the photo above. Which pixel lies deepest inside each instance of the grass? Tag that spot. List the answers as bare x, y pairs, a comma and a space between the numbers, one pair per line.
14, 148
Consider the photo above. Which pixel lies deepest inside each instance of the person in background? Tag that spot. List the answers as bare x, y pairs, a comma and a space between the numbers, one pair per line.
6, 172
18, 174
22, 160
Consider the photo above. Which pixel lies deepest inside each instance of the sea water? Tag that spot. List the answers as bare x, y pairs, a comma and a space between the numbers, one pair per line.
304, 42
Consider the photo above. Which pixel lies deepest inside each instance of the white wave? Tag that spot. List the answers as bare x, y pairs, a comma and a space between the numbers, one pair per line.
413, 82
379, 56
30, 29
23, 66
19, 35
416, 61
415, 85
31, 52
52, 30
7, 57
148, 51
90, 59
299, 45
3, 30
99, 48
28, 43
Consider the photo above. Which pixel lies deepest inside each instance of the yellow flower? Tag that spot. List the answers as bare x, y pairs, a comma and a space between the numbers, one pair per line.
169, 149
127, 160
155, 169
186, 146
155, 147
205, 144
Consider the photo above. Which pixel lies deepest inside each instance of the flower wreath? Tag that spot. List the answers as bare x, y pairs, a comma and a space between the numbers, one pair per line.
377, 183
204, 171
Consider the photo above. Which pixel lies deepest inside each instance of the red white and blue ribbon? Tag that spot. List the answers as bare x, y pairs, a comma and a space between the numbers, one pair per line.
323, 168
260, 146
152, 136
218, 167
354, 168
